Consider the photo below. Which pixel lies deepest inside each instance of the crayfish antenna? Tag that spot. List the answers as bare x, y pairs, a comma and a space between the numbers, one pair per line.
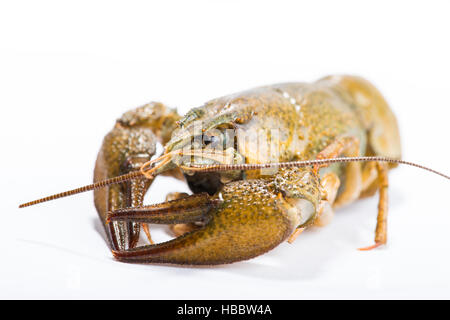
303, 163
96, 185
146, 171
220, 167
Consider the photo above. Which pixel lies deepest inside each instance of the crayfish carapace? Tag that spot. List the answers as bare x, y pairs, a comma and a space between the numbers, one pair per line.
263, 165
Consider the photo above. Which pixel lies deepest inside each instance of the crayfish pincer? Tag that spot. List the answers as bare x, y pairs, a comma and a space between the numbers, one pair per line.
263, 165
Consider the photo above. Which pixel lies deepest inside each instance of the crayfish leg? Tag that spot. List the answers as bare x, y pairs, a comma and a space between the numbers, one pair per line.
381, 228
360, 182
329, 185
369, 180
147, 233
295, 235
346, 146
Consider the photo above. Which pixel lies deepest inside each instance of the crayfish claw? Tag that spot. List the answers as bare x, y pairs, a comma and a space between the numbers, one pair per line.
240, 226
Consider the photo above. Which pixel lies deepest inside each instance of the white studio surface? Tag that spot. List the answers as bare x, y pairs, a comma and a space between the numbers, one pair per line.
67, 71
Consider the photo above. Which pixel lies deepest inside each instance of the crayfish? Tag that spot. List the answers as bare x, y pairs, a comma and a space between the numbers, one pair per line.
263, 165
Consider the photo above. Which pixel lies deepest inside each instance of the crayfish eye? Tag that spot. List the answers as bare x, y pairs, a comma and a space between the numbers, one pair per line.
211, 141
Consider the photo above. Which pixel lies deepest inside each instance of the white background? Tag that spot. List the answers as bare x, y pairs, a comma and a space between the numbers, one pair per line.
69, 69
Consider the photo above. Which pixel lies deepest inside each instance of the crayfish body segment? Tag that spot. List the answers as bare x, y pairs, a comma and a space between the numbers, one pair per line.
236, 215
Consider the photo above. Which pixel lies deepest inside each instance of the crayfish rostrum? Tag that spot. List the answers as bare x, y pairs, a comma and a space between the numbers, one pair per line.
262, 164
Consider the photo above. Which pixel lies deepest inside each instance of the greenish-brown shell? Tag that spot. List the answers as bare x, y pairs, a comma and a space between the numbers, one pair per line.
253, 211
306, 117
